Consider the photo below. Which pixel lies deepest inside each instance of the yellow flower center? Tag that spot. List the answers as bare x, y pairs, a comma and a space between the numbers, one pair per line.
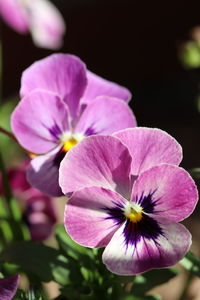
69, 144
133, 212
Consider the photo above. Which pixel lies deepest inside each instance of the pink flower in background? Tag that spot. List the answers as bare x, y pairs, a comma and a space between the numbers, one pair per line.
38, 209
63, 103
8, 287
128, 195
39, 17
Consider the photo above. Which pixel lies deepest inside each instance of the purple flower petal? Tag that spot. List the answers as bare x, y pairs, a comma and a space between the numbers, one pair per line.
39, 120
173, 192
43, 172
98, 86
105, 115
86, 218
46, 24
63, 74
97, 161
149, 147
163, 251
15, 15
8, 287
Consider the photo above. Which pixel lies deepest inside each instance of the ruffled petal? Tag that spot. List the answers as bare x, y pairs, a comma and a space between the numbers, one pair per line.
8, 287
15, 15
149, 147
105, 115
46, 24
98, 86
62, 74
97, 161
167, 191
39, 120
87, 220
43, 172
132, 258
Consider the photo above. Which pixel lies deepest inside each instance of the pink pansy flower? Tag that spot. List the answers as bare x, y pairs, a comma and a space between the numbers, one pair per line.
38, 209
63, 103
8, 287
128, 196
40, 17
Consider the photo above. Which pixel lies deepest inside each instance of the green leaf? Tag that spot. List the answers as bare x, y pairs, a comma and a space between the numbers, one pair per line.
35, 259
191, 263
195, 173
67, 244
147, 281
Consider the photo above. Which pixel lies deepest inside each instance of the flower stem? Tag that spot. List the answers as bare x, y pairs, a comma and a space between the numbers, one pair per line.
8, 133
187, 284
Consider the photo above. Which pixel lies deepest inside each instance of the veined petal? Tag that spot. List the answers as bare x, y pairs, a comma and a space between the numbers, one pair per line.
87, 220
46, 24
15, 15
39, 120
148, 253
167, 191
98, 86
149, 147
43, 172
8, 287
105, 115
62, 74
97, 161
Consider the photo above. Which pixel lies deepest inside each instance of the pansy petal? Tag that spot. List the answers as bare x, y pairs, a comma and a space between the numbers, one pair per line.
105, 115
98, 86
149, 147
46, 24
86, 218
97, 161
39, 120
167, 191
43, 172
8, 287
62, 74
129, 259
15, 15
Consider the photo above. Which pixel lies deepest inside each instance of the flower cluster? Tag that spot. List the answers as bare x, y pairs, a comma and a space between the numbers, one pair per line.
40, 17
62, 102
125, 187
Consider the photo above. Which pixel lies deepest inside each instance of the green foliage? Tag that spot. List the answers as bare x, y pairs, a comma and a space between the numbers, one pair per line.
191, 263
35, 259
190, 54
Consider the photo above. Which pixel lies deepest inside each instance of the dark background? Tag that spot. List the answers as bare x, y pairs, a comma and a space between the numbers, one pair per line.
134, 43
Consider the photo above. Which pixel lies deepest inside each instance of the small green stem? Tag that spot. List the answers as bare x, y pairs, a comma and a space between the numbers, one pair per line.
8, 133
186, 285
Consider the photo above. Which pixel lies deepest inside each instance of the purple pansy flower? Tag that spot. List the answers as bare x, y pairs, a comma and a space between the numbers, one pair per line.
40, 17
63, 103
38, 209
8, 287
129, 195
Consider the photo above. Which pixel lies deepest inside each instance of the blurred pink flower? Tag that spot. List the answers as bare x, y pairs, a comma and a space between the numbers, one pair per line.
38, 209
39, 17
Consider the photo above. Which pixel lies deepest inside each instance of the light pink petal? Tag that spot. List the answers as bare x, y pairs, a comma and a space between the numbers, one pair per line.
173, 191
98, 86
149, 147
97, 161
43, 173
15, 15
148, 254
86, 219
46, 24
8, 287
62, 74
105, 115
39, 120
